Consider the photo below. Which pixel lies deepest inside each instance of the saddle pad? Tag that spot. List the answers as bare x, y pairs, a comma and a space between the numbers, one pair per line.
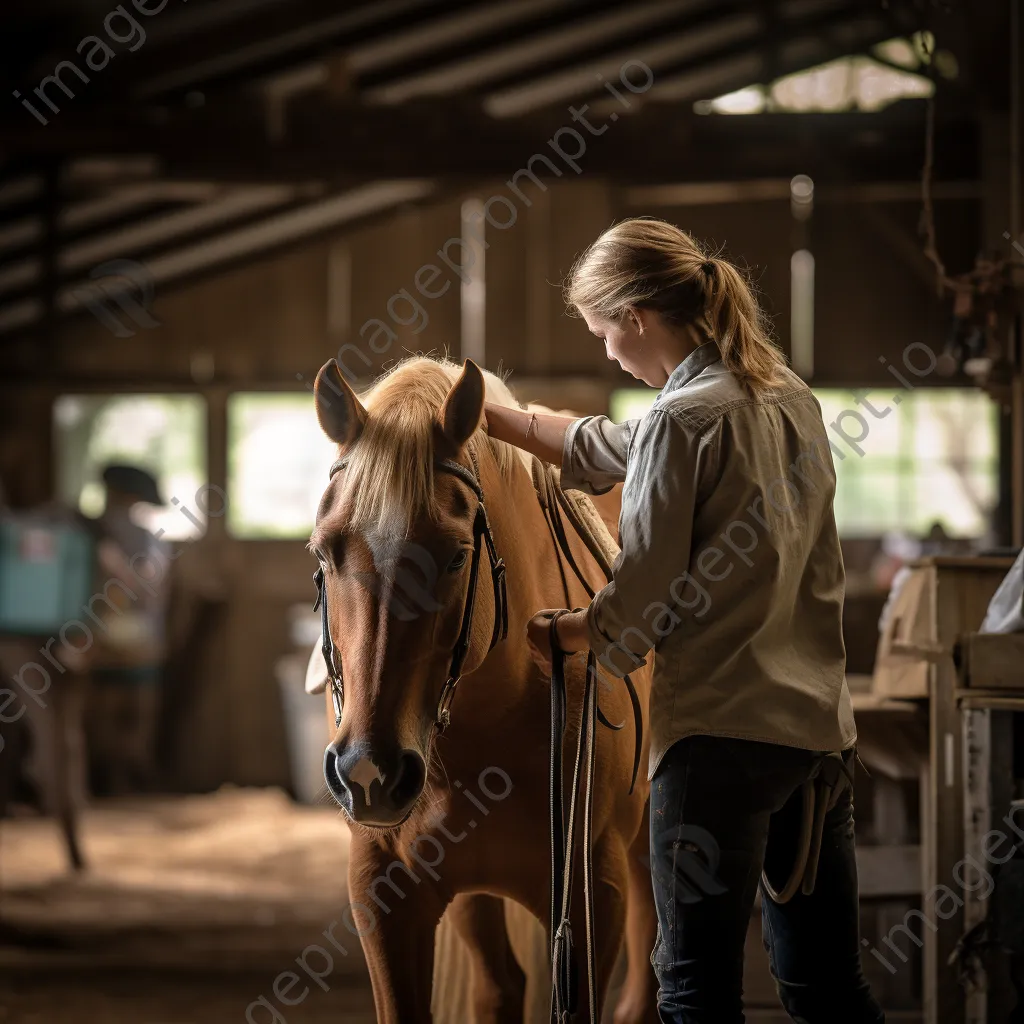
590, 518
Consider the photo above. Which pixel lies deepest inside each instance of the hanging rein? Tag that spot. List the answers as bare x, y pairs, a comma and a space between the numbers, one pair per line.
564, 972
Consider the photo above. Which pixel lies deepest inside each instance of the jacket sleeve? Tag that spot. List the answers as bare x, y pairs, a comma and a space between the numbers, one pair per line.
594, 453
647, 596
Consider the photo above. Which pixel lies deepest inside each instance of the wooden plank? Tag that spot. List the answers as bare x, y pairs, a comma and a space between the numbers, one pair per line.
994, 699
972, 562
928, 956
451, 136
994, 661
962, 588
891, 831
884, 872
869, 702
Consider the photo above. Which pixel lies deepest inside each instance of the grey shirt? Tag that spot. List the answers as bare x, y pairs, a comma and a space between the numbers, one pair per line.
730, 567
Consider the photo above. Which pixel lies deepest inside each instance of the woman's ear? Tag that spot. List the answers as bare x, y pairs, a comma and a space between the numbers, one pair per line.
636, 318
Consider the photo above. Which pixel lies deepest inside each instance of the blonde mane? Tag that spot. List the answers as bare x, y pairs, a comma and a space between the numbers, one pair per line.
390, 470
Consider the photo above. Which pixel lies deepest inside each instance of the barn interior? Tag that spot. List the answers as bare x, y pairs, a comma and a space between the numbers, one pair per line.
202, 203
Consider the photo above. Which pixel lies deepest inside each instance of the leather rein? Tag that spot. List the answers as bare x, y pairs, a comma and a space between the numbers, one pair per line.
482, 538
564, 971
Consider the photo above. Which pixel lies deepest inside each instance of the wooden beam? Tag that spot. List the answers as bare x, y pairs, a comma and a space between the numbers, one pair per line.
454, 139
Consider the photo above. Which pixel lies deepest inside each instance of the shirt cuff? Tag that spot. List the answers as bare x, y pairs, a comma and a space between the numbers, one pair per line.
614, 656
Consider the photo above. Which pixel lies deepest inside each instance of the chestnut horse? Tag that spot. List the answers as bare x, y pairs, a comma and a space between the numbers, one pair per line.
451, 808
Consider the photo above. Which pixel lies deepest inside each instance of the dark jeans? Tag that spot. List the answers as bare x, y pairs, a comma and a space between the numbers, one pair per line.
720, 810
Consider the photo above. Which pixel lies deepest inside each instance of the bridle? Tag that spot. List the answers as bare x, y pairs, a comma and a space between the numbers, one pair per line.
481, 538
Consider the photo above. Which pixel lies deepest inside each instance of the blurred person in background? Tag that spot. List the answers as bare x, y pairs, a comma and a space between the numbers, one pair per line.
131, 646
937, 541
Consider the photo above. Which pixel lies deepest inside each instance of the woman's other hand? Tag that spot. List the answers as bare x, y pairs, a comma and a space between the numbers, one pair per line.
538, 638
571, 635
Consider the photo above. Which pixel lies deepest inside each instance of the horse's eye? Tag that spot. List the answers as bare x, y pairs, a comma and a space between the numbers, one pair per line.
457, 562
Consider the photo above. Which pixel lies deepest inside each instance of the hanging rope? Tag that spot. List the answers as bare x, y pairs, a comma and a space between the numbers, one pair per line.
931, 249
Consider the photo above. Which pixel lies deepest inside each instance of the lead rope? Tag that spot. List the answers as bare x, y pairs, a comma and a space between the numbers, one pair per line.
552, 498
564, 971
564, 967
830, 776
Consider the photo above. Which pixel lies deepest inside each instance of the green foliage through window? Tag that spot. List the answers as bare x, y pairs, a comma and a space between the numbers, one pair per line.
278, 461
929, 455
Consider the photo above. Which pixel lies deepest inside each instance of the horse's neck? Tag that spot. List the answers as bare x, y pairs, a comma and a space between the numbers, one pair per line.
536, 565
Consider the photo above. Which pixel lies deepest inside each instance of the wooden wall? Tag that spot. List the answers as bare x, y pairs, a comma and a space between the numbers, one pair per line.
874, 290
258, 325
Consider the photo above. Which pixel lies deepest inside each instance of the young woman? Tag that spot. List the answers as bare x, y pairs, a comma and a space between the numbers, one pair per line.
731, 571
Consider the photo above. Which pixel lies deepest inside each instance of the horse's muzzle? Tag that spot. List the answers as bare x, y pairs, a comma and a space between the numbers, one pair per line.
374, 788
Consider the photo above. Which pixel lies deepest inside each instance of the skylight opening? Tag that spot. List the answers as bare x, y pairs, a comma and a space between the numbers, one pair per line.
854, 83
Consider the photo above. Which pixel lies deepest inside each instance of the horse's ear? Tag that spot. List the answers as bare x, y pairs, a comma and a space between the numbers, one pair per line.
463, 408
339, 411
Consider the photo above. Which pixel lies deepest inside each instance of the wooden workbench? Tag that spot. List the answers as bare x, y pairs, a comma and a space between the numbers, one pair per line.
917, 661
991, 691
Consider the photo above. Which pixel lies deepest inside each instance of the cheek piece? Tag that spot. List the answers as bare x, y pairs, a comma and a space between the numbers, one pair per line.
482, 538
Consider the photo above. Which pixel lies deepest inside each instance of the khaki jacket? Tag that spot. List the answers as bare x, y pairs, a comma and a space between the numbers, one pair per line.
730, 567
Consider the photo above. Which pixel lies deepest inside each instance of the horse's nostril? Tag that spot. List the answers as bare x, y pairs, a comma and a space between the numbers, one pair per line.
408, 779
336, 781
373, 788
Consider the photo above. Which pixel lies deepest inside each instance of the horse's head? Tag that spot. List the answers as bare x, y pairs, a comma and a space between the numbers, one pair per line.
395, 539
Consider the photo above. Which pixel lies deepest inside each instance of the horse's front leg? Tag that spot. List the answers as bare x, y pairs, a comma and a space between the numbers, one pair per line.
499, 984
396, 912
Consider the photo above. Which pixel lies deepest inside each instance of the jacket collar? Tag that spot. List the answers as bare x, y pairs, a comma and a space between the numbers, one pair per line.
695, 363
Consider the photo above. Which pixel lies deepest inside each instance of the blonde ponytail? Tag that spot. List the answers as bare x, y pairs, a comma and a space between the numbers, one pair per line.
738, 327
646, 263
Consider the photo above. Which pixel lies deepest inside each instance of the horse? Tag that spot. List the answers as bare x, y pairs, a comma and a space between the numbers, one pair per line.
445, 782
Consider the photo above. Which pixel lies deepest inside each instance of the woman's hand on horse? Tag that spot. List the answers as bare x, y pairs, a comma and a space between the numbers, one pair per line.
571, 630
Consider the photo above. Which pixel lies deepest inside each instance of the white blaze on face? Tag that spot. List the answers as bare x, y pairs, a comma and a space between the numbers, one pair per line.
363, 774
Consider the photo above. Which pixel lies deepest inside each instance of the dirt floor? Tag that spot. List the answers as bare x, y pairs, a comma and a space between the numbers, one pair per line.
135, 996
190, 907
231, 880
188, 910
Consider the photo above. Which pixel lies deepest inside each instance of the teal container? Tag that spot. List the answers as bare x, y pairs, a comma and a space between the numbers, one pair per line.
46, 574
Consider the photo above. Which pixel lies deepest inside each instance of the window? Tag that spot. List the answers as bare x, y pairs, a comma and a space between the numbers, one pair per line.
933, 457
278, 461
857, 82
165, 434
630, 403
